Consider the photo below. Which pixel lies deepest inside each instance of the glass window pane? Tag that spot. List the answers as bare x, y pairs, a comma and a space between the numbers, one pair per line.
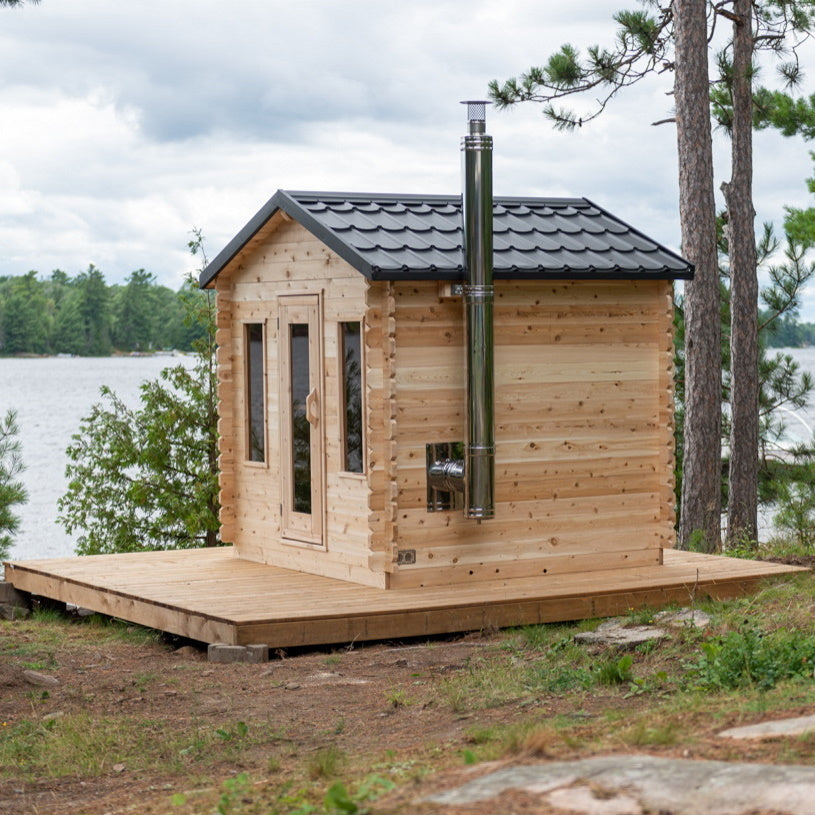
352, 384
256, 417
301, 430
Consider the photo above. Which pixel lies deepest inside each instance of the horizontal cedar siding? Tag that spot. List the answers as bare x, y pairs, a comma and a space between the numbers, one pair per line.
583, 433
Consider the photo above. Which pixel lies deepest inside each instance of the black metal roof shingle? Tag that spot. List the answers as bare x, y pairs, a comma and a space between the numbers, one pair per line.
415, 237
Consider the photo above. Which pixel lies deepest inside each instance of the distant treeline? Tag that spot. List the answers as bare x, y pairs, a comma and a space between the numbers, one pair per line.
789, 333
83, 315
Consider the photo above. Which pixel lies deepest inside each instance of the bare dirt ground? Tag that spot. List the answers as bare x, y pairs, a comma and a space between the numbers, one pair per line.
373, 700
379, 708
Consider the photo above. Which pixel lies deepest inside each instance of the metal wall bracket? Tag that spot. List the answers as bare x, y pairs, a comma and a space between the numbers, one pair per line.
450, 290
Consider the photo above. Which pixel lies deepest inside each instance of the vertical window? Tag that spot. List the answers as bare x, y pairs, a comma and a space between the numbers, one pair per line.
302, 451
351, 348
255, 413
300, 429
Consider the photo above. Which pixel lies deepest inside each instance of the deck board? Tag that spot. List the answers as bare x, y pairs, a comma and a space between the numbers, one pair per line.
213, 596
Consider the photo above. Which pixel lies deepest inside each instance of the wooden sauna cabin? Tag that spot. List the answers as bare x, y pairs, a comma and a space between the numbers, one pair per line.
437, 414
341, 360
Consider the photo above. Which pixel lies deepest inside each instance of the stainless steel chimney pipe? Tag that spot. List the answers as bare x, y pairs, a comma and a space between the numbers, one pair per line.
479, 455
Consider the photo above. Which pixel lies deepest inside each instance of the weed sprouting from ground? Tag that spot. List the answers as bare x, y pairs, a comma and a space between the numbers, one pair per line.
751, 657
616, 671
327, 762
658, 734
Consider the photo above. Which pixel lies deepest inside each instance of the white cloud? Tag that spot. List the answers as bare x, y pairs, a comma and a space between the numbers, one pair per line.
126, 124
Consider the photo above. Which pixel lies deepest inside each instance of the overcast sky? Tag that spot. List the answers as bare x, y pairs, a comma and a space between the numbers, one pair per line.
123, 125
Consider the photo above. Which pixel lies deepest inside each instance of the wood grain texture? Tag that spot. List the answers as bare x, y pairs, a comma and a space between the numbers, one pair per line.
213, 596
584, 431
289, 264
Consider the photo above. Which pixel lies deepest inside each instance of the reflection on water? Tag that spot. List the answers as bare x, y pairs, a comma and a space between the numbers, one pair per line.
51, 396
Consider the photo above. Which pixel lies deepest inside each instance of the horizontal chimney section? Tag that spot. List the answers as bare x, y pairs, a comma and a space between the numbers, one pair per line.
475, 475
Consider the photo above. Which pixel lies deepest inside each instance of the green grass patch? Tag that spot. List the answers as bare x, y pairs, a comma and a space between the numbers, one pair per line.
750, 657
85, 746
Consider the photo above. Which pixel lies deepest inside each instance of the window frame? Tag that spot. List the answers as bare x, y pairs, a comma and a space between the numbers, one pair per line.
342, 404
247, 326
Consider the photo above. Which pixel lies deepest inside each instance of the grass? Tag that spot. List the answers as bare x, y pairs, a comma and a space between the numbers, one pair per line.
327, 762
50, 626
85, 746
531, 692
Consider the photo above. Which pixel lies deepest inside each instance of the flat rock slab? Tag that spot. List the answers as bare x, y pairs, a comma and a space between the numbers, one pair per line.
43, 680
635, 785
614, 632
686, 617
768, 730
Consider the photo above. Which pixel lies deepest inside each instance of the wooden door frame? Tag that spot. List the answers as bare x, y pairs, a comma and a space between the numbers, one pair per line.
299, 528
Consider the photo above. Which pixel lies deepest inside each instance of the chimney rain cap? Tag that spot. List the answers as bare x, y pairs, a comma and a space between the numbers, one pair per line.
476, 110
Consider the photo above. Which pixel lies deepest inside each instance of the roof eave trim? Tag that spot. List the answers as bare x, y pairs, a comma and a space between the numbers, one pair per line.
283, 200
535, 274
228, 253
689, 271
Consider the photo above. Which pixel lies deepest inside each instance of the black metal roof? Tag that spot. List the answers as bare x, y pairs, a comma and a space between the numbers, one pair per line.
419, 237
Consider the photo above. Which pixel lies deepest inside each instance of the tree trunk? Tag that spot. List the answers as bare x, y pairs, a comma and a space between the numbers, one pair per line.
700, 518
743, 487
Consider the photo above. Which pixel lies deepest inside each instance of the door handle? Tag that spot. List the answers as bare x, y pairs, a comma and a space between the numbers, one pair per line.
313, 408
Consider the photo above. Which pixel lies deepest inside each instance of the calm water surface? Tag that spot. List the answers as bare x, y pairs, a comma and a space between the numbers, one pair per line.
51, 396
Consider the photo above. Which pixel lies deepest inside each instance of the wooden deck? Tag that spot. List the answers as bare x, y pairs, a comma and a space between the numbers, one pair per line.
212, 596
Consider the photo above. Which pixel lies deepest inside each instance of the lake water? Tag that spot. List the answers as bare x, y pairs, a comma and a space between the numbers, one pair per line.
801, 423
52, 395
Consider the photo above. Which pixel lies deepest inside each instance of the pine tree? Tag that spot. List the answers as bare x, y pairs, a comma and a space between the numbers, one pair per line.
676, 38
12, 491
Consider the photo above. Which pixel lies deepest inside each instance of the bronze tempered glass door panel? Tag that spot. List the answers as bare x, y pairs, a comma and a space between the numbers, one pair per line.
301, 420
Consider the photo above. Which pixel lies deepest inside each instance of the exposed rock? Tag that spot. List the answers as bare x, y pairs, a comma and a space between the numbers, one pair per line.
768, 730
678, 786
332, 678
12, 612
588, 801
616, 633
43, 680
686, 617
79, 611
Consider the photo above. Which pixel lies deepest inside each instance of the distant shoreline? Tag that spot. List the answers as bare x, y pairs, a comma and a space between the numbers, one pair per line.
116, 354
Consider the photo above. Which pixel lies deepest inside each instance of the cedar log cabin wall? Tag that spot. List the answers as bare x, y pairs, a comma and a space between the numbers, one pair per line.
583, 420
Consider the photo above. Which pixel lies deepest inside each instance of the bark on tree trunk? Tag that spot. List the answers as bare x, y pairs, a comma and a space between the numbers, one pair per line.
701, 478
743, 486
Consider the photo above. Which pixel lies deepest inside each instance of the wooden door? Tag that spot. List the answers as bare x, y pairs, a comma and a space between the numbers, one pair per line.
301, 419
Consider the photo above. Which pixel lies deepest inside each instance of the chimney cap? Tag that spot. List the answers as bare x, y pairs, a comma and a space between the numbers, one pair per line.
476, 110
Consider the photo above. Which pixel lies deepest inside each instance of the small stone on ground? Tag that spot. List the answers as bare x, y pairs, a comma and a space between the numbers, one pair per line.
43, 680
